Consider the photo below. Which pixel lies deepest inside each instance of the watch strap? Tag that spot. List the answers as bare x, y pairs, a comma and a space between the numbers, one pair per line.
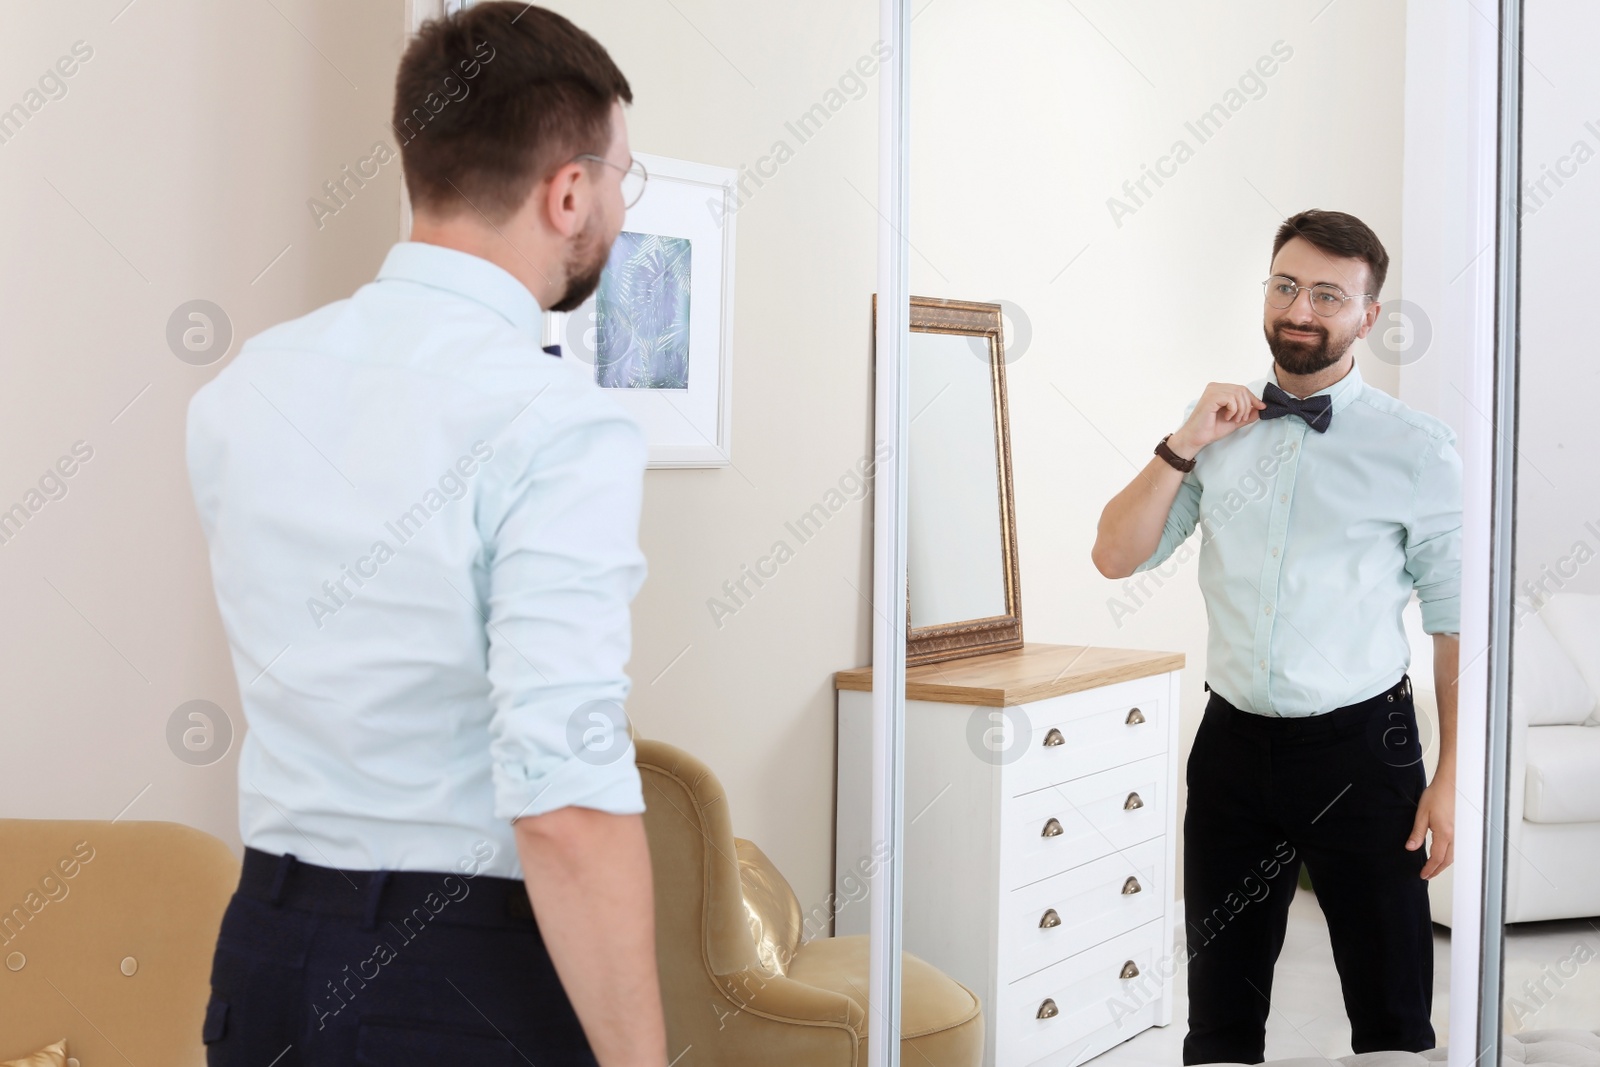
1185, 465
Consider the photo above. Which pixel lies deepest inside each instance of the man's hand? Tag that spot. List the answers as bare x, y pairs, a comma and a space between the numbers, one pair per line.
1221, 409
592, 890
1132, 523
1436, 811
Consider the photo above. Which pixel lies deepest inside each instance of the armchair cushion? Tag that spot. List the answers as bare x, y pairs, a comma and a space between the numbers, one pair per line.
772, 907
930, 1002
1561, 782
1548, 688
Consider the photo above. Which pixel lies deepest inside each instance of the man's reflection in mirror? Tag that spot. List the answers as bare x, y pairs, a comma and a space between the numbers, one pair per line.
1323, 502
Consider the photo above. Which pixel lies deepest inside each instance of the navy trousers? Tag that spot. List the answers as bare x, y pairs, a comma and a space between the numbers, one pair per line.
1337, 792
316, 966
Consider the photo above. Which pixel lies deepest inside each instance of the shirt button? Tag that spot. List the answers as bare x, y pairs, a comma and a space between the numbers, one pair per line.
1268, 609
1274, 551
1284, 498
1263, 664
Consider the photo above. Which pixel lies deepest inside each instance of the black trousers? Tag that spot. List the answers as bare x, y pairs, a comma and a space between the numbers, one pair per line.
1337, 792
316, 966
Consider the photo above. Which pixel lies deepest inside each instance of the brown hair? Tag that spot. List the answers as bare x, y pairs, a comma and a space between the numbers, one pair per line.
1338, 234
490, 99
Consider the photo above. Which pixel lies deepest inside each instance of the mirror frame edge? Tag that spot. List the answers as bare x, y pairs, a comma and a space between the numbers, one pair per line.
995, 633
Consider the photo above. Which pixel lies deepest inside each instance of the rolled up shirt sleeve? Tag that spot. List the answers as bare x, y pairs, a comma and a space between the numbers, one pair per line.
1182, 517
564, 564
1433, 537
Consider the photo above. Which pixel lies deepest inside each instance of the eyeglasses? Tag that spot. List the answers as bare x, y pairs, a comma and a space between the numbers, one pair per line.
633, 177
1326, 299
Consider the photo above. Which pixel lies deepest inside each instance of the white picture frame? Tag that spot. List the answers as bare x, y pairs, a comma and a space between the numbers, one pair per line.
690, 426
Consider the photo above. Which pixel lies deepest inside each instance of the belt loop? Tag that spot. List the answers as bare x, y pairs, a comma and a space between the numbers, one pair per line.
375, 887
286, 863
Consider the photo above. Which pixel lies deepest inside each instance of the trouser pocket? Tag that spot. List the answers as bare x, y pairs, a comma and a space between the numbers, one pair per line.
257, 983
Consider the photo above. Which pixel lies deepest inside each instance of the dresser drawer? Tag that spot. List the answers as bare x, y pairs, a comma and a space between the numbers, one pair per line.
1063, 826
1048, 921
1080, 733
1080, 996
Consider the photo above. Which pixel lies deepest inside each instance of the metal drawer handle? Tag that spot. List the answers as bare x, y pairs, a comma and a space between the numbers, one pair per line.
1054, 738
1047, 1010
1131, 886
1129, 970
1132, 802
1052, 828
1050, 919
1135, 717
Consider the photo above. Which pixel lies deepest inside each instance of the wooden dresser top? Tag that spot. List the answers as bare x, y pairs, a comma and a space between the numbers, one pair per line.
1032, 672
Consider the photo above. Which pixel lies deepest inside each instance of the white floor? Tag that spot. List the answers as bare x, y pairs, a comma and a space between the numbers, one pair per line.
1553, 976
1308, 1019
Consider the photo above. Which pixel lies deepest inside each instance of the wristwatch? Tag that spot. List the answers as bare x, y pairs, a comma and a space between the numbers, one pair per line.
1172, 457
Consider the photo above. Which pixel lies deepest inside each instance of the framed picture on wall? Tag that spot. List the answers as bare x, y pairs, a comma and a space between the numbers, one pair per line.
657, 331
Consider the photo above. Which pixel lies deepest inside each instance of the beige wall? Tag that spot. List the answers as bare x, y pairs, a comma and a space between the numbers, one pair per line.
1026, 119
1557, 513
191, 141
177, 166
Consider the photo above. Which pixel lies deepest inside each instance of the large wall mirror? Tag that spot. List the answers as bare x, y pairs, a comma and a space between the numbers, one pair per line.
1159, 159
1550, 979
964, 596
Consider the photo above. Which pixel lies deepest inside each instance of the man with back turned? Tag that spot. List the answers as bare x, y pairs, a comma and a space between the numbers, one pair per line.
423, 535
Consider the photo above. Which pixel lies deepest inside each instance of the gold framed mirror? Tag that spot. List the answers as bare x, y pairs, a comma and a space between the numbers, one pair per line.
963, 590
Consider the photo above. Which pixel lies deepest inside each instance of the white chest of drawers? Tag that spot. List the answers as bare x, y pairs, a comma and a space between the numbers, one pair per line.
1040, 824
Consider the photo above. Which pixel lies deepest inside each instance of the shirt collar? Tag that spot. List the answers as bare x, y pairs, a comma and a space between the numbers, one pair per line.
1343, 391
465, 275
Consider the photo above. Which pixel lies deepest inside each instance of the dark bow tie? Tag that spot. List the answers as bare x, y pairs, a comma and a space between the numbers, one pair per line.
1316, 411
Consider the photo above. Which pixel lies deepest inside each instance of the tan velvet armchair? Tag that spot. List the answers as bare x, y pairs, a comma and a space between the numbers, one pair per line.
738, 986
106, 936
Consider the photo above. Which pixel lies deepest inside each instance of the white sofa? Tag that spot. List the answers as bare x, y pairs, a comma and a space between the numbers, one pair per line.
1553, 840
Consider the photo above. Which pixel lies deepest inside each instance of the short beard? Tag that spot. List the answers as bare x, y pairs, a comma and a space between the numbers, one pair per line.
1297, 357
584, 266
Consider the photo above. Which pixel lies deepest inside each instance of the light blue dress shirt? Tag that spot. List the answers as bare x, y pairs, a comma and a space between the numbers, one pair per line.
1311, 544
423, 534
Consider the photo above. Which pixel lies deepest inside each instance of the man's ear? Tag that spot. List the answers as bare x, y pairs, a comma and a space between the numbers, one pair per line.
1369, 318
561, 197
